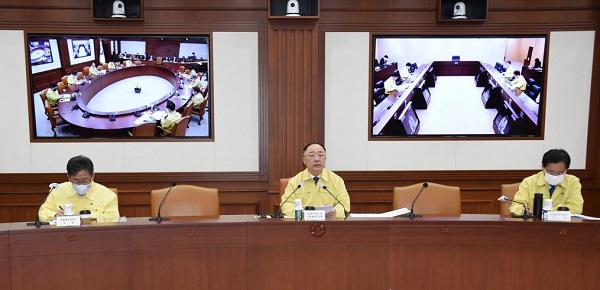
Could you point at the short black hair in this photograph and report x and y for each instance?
(556, 156)
(517, 73)
(170, 105)
(54, 85)
(196, 89)
(408, 64)
(312, 143)
(79, 163)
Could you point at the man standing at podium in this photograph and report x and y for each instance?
(82, 192)
(553, 182)
(316, 185)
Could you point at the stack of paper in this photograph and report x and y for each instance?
(393, 213)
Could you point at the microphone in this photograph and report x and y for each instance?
(506, 199)
(346, 213)
(412, 206)
(37, 222)
(159, 218)
(279, 211)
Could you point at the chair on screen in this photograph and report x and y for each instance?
(44, 99)
(86, 71)
(61, 87)
(509, 191)
(159, 60)
(199, 111)
(178, 129)
(185, 200)
(436, 199)
(143, 130)
(100, 67)
(64, 80)
(55, 119)
(137, 62)
(79, 75)
(187, 111)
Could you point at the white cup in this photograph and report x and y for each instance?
(68, 209)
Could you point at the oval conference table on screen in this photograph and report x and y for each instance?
(74, 111)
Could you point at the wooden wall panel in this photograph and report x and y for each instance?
(291, 93)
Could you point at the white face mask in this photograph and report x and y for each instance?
(81, 189)
(553, 179)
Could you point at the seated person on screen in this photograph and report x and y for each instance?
(192, 71)
(192, 57)
(553, 182)
(72, 79)
(169, 120)
(518, 84)
(196, 82)
(537, 63)
(52, 94)
(93, 69)
(313, 178)
(111, 66)
(82, 192)
(390, 85)
(508, 70)
(405, 71)
(384, 60)
(197, 97)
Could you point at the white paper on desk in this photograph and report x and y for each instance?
(144, 118)
(158, 115)
(326, 208)
(585, 217)
(392, 213)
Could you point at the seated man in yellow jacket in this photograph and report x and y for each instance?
(81, 192)
(553, 182)
(518, 84)
(169, 120)
(52, 94)
(72, 79)
(316, 185)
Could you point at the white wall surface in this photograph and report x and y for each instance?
(347, 123)
(235, 121)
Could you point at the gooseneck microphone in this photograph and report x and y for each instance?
(279, 210)
(412, 206)
(37, 222)
(346, 213)
(525, 213)
(159, 218)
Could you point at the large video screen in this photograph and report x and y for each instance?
(120, 87)
(457, 86)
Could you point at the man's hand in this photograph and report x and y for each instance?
(330, 214)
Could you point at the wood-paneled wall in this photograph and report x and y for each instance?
(291, 93)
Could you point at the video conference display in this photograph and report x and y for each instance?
(119, 87)
(457, 86)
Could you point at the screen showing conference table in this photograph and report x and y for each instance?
(134, 78)
(451, 82)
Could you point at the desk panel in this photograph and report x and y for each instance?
(189, 253)
(97, 256)
(552, 255)
(348, 255)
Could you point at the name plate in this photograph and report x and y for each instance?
(559, 216)
(314, 215)
(68, 221)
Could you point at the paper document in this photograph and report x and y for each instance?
(326, 208)
(585, 217)
(392, 213)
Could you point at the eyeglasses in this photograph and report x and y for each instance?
(84, 181)
(315, 154)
